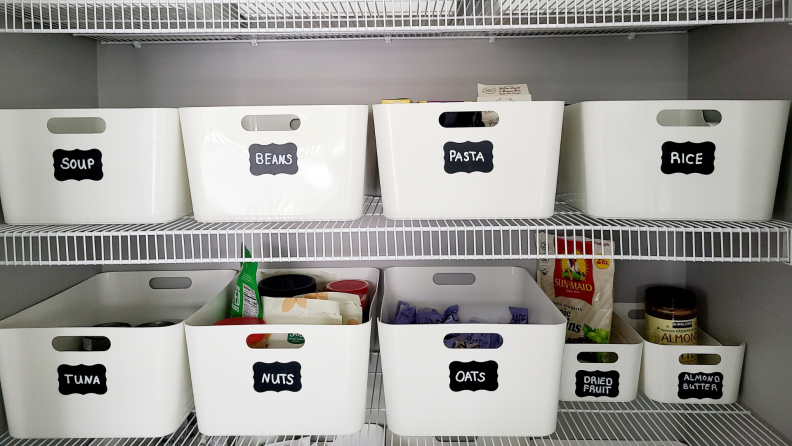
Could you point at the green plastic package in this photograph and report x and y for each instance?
(247, 302)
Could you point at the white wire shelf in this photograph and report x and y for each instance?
(641, 422)
(375, 238)
(262, 20)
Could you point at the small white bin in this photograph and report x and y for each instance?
(604, 382)
(665, 379)
(139, 387)
(92, 166)
(428, 171)
(694, 160)
(330, 371)
(247, 164)
(519, 393)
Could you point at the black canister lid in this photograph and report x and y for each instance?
(113, 324)
(162, 323)
(287, 285)
(670, 297)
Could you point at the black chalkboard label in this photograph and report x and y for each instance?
(473, 376)
(596, 383)
(688, 157)
(82, 379)
(273, 159)
(468, 157)
(700, 385)
(277, 377)
(77, 164)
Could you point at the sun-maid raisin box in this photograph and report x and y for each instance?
(581, 288)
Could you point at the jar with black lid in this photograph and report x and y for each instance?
(671, 318)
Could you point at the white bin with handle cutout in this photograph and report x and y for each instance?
(693, 160)
(137, 385)
(585, 378)
(439, 161)
(431, 389)
(276, 162)
(714, 380)
(92, 166)
(323, 387)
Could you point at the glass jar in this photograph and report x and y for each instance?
(671, 318)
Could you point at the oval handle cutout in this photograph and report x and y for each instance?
(170, 283)
(597, 357)
(81, 343)
(454, 279)
(473, 340)
(636, 314)
(699, 359)
(275, 340)
(689, 118)
(76, 126)
(270, 123)
(452, 120)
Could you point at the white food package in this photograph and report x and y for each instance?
(503, 93)
(349, 304)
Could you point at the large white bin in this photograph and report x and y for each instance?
(147, 391)
(654, 159)
(92, 166)
(315, 172)
(519, 399)
(510, 170)
(332, 371)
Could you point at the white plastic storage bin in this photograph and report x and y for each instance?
(428, 171)
(327, 394)
(92, 166)
(604, 382)
(519, 394)
(139, 387)
(665, 379)
(248, 164)
(695, 160)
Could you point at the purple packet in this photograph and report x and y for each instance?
(451, 315)
(519, 316)
(427, 316)
(405, 313)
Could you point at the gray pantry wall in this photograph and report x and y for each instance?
(750, 303)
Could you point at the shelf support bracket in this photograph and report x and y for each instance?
(136, 44)
(491, 39)
(388, 39)
(631, 36)
(254, 42)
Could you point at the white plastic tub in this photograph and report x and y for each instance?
(272, 172)
(665, 379)
(92, 166)
(140, 387)
(693, 160)
(604, 382)
(328, 391)
(519, 399)
(510, 169)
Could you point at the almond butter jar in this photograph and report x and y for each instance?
(671, 318)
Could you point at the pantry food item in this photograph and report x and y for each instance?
(358, 287)
(503, 93)
(299, 310)
(671, 318)
(287, 285)
(396, 101)
(582, 289)
(257, 340)
(101, 343)
(247, 302)
(162, 323)
(349, 305)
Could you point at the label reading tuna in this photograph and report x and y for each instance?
(596, 383)
(700, 385)
(473, 376)
(82, 379)
(468, 157)
(688, 157)
(273, 159)
(277, 377)
(77, 164)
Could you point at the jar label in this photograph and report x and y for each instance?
(678, 332)
(473, 376)
(596, 383)
(688, 157)
(82, 379)
(700, 385)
